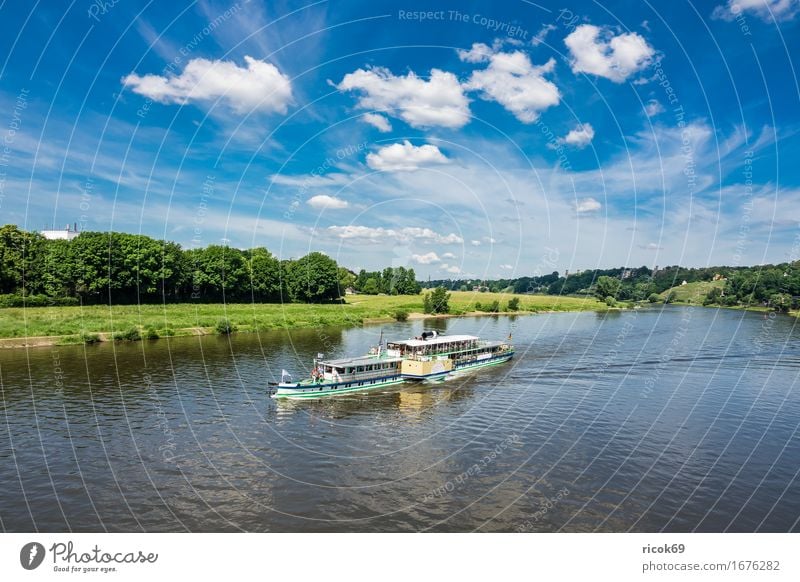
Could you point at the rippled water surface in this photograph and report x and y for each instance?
(676, 419)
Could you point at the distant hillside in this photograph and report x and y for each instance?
(692, 292)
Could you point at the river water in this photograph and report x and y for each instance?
(673, 419)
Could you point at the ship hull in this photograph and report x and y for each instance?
(502, 359)
(303, 391)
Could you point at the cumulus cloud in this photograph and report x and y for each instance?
(379, 234)
(328, 202)
(478, 53)
(450, 268)
(587, 205)
(405, 157)
(449, 256)
(764, 9)
(378, 121)
(653, 108)
(512, 80)
(598, 51)
(475, 243)
(438, 101)
(580, 137)
(426, 259)
(256, 86)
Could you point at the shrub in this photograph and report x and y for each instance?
(89, 338)
(167, 332)
(437, 301)
(16, 300)
(401, 315)
(654, 298)
(131, 335)
(671, 296)
(780, 301)
(513, 304)
(610, 301)
(224, 327)
(150, 333)
(492, 307)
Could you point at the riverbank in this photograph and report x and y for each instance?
(43, 326)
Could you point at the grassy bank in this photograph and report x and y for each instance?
(692, 292)
(101, 322)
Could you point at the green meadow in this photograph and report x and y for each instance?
(75, 324)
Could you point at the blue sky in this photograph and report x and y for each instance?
(464, 139)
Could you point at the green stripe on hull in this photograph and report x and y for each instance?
(321, 393)
(482, 364)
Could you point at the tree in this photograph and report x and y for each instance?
(607, 287)
(371, 287)
(654, 298)
(780, 301)
(713, 296)
(437, 301)
(313, 279)
(513, 304)
(265, 276)
(58, 273)
(346, 279)
(20, 260)
(218, 272)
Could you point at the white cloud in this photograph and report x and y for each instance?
(426, 259)
(653, 108)
(406, 234)
(507, 267)
(450, 268)
(764, 9)
(258, 85)
(597, 51)
(542, 34)
(475, 243)
(580, 137)
(324, 201)
(512, 80)
(405, 157)
(478, 53)
(651, 247)
(377, 121)
(490, 240)
(439, 101)
(449, 256)
(587, 205)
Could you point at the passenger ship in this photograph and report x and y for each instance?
(427, 357)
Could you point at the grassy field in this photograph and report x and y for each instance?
(189, 319)
(693, 292)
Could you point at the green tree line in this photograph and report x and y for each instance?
(775, 286)
(119, 268)
(391, 281)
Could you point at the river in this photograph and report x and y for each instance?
(662, 419)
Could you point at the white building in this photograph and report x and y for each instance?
(65, 234)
